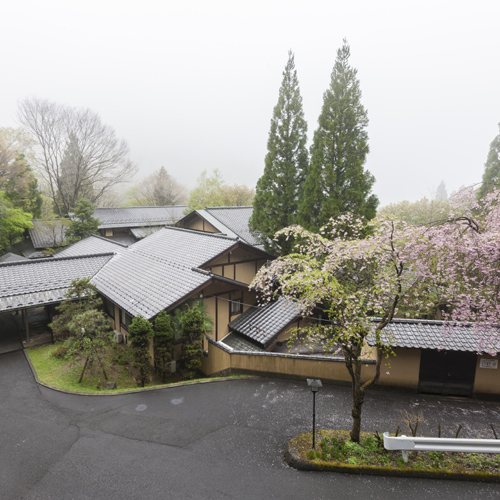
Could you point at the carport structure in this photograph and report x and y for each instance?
(29, 284)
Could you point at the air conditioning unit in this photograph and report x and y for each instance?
(118, 337)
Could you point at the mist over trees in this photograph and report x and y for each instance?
(158, 189)
(76, 154)
(213, 191)
(17, 179)
(277, 193)
(491, 175)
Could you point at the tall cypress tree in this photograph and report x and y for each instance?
(276, 199)
(491, 175)
(336, 181)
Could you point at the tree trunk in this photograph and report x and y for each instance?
(358, 395)
(83, 371)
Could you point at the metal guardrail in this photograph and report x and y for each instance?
(405, 444)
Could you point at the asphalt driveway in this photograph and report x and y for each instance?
(212, 441)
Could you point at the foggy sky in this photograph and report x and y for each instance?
(191, 85)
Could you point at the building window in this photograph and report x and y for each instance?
(125, 319)
(236, 307)
(109, 307)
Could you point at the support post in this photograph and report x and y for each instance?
(314, 420)
(26, 325)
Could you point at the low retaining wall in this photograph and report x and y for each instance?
(222, 361)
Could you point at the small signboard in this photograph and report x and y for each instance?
(489, 363)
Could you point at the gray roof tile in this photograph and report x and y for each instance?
(28, 282)
(236, 219)
(48, 233)
(263, 324)
(90, 246)
(159, 271)
(138, 216)
(429, 334)
(11, 257)
(240, 343)
(141, 232)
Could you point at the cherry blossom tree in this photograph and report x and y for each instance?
(399, 269)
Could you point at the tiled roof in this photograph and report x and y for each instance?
(26, 283)
(160, 270)
(263, 324)
(145, 285)
(11, 257)
(48, 233)
(240, 343)
(236, 220)
(428, 334)
(138, 216)
(141, 232)
(183, 246)
(90, 246)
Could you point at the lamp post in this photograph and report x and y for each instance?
(314, 384)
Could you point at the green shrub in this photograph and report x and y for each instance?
(60, 353)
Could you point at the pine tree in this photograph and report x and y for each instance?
(276, 199)
(336, 181)
(491, 175)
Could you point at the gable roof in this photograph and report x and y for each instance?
(138, 216)
(90, 246)
(48, 233)
(263, 324)
(11, 257)
(231, 221)
(430, 334)
(29, 283)
(236, 219)
(141, 232)
(184, 246)
(161, 270)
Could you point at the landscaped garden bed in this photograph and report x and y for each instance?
(335, 452)
(56, 369)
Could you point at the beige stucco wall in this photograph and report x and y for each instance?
(487, 380)
(401, 369)
(200, 224)
(219, 360)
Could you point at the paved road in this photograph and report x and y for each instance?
(10, 339)
(213, 441)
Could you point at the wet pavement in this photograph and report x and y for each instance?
(10, 338)
(209, 441)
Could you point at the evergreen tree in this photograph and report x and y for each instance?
(441, 193)
(83, 224)
(139, 333)
(276, 198)
(336, 181)
(491, 175)
(164, 337)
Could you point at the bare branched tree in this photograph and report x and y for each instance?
(77, 155)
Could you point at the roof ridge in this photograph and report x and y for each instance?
(51, 219)
(202, 233)
(151, 206)
(55, 259)
(168, 261)
(229, 208)
(107, 239)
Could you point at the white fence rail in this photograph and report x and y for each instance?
(406, 444)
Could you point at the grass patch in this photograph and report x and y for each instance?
(63, 373)
(333, 448)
